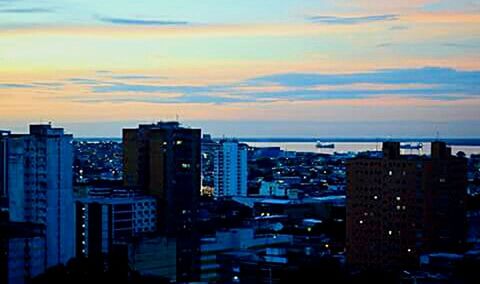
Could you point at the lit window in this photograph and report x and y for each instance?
(361, 221)
(390, 173)
(375, 197)
(179, 142)
(409, 250)
(398, 198)
(390, 232)
(398, 207)
(442, 180)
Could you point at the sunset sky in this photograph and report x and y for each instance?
(243, 68)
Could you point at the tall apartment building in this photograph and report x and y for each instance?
(36, 179)
(3, 175)
(163, 160)
(401, 206)
(230, 178)
(22, 252)
(104, 220)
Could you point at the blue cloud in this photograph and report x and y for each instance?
(141, 22)
(15, 86)
(398, 28)
(460, 45)
(26, 10)
(84, 81)
(138, 77)
(122, 87)
(428, 83)
(427, 75)
(335, 20)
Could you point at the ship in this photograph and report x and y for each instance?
(324, 145)
(413, 146)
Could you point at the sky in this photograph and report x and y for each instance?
(269, 68)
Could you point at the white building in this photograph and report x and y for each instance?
(106, 220)
(36, 177)
(231, 172)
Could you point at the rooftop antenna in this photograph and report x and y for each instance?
(176, 117)
(437, 137)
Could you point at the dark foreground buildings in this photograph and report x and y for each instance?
(163, 160)
(400, 206)
(36, 186)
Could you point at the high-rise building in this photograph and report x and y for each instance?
(36, 178)
(3, 175)
(230, 169)
(163, 160)
(399, 206)
(22, 252)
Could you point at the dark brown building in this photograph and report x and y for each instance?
(163, 160)
(399, 206)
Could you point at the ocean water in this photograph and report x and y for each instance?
(343, 147)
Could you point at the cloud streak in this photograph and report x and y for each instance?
(431, 83)
(337, 20)
(426, 75)
(141, 22)
(26, 10)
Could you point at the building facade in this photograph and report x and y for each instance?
(163, 160)
(103, 221)
(238, 239)
(22, 252)
(3, 175)
(231, 172)
(37, 184)
(401, 206)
